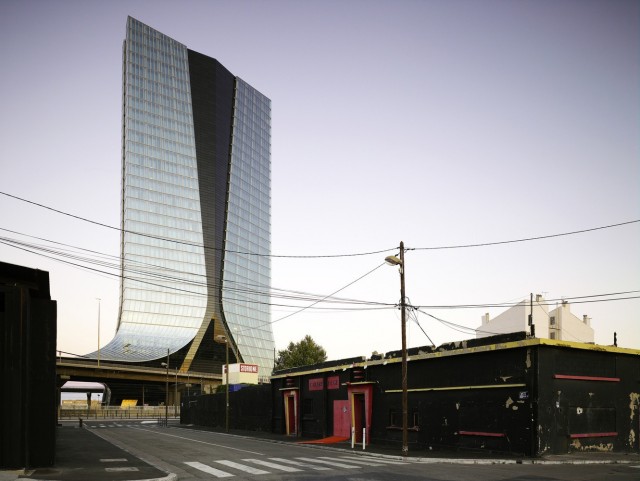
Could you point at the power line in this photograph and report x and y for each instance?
(84, 219)
(325, 256)
(414, 317)
(547, 302)
(324, 298)
(248, 289)
(526, 239)
(153, 275)
(456, 327)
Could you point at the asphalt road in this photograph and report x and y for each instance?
(201, 455)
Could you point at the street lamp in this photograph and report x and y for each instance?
(220, 338)
(394, 261)
(166, 391)
(98, 299)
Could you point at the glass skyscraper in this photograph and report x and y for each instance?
(195, 210)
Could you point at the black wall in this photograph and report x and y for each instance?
(523, 396)
(249, 409)
(588, 401)
(466, 393)
(27, 365)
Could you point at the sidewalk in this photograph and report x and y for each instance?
(82, 455)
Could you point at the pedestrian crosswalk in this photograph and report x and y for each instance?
(122, 424)
(279, 465)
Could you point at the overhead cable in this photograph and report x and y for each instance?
(525, 239)
(325, 256)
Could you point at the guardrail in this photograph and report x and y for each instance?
(141, 412)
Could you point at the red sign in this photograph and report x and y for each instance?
(333, 382)
(251, 368)
(316, 384)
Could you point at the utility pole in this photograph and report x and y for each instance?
(226, 417)
(166, 395)
(394, 261)
(98, 331)
(405, 397)
(220, 338)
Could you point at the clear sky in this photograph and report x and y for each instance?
(438, 123)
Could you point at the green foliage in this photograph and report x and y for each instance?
(303, 353)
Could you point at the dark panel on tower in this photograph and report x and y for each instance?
(212, 93)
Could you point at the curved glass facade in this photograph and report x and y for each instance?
(195, 207)
(247, 266)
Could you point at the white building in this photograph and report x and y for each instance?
(559, 324)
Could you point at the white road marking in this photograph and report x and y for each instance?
(267, 464)
(209, 470)
(161, 433)
(117, 470)
(242, 467)
(330, 463)
(376, 460)
(114, 460)
(303, 465)
(373, 462)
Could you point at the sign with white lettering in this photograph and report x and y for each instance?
(241, 374)
(252, 368)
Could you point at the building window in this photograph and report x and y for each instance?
(552, 320)
(552, 335)
(395, 419)
(307, 407)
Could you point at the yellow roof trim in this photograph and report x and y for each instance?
(469, 350)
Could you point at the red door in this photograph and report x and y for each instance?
(358, 414)
(290, 411)
(341, 419)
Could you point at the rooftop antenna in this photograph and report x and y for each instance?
(532, 327)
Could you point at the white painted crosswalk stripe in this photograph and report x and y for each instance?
(330, 463)
(321, 463)
(267, 464)
(373, 462)
(112, 426)
(242, 467)
(209, 470)
(377, 460)
(302, 465)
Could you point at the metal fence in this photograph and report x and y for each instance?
(137, 412)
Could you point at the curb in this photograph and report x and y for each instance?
(428, 460)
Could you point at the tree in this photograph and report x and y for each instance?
(301, 353)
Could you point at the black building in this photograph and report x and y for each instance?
(506, 393)
(27, 367)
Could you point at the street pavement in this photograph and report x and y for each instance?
(83, 453)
